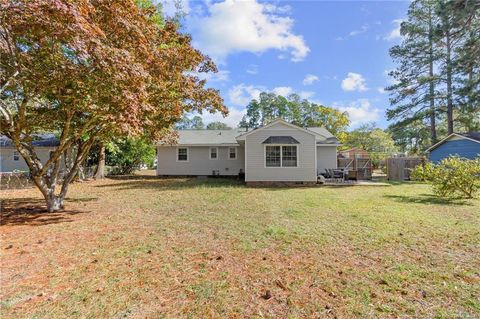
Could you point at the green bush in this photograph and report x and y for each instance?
(452, 177)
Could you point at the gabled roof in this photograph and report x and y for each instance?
(282, 121)
(472, 136)
(321, 131)
(208, 137)
(232, 137)
(40, 140)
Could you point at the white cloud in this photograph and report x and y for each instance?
(232, 119)
(252, 69)
(242, 94)
(359, 111)
(354, 82)
(363, 29)
(283, 90)
(381, 90)
(246, 26)
(306, 94)
(395, 33)
(310, 79)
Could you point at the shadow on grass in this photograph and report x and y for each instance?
(169, 183)
(428, 199)
(33, 212)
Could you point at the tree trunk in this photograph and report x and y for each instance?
(54, 203)
(449, 84)
(100, 173)
(433, 129)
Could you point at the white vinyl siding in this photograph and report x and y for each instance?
(8, 162)
(326, 158)
(256, 170)
(199, 162)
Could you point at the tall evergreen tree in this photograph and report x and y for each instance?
(467, 65)
(414, 91)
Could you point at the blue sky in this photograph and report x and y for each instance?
(331, 52)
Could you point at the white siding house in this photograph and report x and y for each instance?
(12, 161)
(277, 152)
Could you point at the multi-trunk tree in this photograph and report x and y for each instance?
(90, 70)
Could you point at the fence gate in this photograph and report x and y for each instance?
(363, 166)
(400, 168)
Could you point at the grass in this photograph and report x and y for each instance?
(170, 248)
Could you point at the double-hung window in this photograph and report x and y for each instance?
(281, 156)
(16, 156)
(232, 153)
(273, 156)
(289, 156)
(182, 154)
(213, 153)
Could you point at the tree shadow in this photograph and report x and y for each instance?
(429, 199)
(33, 212)
(175, 183)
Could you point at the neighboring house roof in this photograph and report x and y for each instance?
(472, 136)
(40, 140)
(280, 140)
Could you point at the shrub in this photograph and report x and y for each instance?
(452, 177)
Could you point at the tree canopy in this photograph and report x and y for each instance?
(218, 126)
(90, 69)
(437, 79)
(295, 110)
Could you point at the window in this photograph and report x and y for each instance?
(182, 154)
(16, 156)
(213, 153)
(232, 153)
(272, 156)
(281, 156)
(289, 156)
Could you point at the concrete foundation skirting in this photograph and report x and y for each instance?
(280, 184)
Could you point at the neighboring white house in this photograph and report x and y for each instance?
(277, 152)
(11, 160)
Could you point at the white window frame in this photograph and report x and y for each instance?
(281, 156)
(210, 153)
(188, 154)
(236, 151)
(16, 156)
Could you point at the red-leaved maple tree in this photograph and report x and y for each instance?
(88, 69)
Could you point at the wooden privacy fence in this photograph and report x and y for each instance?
(400, 168)
(362, 166)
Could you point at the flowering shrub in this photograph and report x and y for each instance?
(452, 177)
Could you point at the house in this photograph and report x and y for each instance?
(277, 152)
(466, 145)
(12, 161)
(355, 152)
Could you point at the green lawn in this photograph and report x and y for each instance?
(170, 248)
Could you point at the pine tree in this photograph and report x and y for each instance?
(415, 89)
